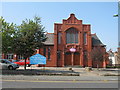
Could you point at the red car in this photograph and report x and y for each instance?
(22, 62)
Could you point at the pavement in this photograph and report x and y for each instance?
(60, 78)
(80, 71)
(62, 74)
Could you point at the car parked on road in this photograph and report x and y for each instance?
(22, 62)
(6, 64)
(12, 60)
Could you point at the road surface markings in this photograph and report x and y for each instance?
(105, 81)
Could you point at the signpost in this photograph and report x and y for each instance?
(37, 59)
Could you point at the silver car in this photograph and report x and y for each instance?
(5, 64)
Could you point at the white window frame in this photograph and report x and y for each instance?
(20, 57)
(10, 56)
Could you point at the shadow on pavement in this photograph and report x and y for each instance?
(39, 72)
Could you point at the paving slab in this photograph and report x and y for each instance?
(60, 78)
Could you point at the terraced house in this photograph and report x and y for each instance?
(71, 44)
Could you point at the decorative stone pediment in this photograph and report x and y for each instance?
(72, 20)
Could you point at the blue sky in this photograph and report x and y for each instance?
(98, 14)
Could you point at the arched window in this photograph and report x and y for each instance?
(49, 53)
(71, 36)
(85, 38)
(59, 38)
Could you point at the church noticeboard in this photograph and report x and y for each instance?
(37, 59)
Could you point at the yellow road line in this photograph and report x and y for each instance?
(105, 81)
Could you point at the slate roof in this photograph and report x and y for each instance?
(50, 39)
(96, 41)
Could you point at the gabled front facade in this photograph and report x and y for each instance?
(71, 44)
(72, 34)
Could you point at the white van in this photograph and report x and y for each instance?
(5, 64)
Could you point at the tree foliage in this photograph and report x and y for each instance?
(23, 39)
(7, 32)
(30, 36)
(98, 55)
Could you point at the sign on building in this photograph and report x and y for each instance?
(37, 59)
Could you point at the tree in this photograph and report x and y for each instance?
(23, 39)
(7, 31)
(97, 54)
(29, 37)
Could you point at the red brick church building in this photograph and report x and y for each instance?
(70, 45)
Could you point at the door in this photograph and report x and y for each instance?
(67, 59)
(76, 58)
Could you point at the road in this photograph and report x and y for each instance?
(93, 79)
(58, 84)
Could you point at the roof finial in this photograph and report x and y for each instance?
(72, 14)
